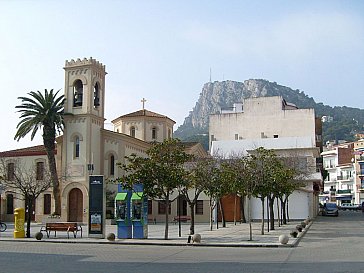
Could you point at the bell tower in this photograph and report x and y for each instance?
(85, 87)
(82, 144)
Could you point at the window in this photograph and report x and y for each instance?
(40, 171)
(112, 165)
(275, 136)
(154, 133)
(236, 136)
(150, 207)
(77, 93)
(47, 204)
(162, 207)
(77, 147)
(169, 134)
(9, 204)
(96, 95)
(132, 131)
(199, 207)
(11, 170)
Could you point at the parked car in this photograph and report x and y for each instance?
(330, 209)
(349, 206)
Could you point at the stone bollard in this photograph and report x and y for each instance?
(39, 235)
(196, 238)
(110, 237)
(283, 239)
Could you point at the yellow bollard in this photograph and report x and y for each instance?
(19, 215)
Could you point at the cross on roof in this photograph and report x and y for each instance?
(143, 101)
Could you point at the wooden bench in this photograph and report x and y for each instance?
(62, 226)
(182, 218)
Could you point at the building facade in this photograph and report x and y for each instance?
(86, 147)
(272, 123)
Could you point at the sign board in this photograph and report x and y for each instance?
(96, 222)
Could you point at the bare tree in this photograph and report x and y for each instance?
(26, 182)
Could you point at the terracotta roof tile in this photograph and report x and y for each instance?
(29, 151)
(142, 113)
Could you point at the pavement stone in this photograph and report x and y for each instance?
(229, 236)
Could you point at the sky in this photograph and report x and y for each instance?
(163, 51)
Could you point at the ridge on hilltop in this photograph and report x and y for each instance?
(346, 121)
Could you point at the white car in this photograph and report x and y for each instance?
(349, 206)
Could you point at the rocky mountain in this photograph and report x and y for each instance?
(216, 95)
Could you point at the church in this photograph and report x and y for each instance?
(87, 148)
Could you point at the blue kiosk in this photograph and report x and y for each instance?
(131, 210)
(122, 212)
(139, 204)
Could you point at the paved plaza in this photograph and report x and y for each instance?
(231, 235)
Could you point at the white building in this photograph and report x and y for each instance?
(272, 123)
(339, 184)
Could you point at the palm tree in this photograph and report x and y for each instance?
(45, 111)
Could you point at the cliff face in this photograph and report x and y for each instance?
(217, 95)
(346, 122)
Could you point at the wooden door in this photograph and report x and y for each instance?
(75, 205)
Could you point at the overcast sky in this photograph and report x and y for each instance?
(163, 50)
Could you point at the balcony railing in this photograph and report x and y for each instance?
(344, 177)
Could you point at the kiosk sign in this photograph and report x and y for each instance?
(96, 207)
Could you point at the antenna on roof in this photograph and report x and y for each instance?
(210, 74)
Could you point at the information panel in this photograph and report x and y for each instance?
(96, 223)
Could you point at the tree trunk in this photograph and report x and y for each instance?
(211, 216)
(222, 213)
(278, 213)
(271, 211)
(235, 202)
(29, 212)
(287, 208)
(262, 227)
(50, 147)
(250, 219)
(242, 204)
(166, 218)
(192, 212)
(284, 215)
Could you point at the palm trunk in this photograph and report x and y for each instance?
(50, 147)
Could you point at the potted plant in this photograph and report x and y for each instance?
(294, 233)
(299, 228)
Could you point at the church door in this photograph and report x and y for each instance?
(75, 205)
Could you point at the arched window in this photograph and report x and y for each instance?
(40, 171)
(77, 147)
(11, 171)
(47, 204)
(154, 133)
(77, 93)
(112, 165)
(9, 204)
(132, 131)
(97, 95)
